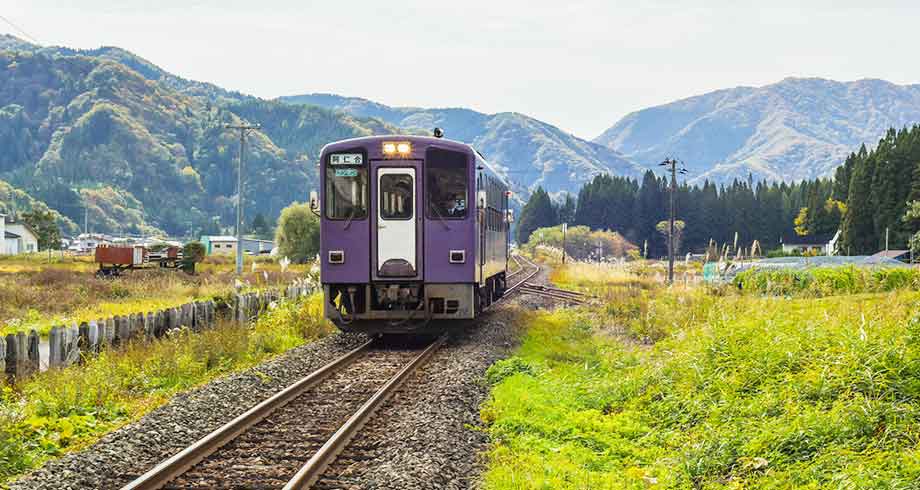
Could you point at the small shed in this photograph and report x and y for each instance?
(18, 237)
(219, 244)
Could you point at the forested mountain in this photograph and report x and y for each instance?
(791, 130)
(529, 152)
(143, 155)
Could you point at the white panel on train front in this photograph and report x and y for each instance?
(396, 220)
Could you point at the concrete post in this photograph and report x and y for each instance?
(93, 345)
(109, 336)
(55, 344)
(22, 353)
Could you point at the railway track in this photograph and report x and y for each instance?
(288, 440)
(529, 269)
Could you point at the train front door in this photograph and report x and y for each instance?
(397, 222)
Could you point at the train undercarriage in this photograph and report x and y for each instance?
(402, 307)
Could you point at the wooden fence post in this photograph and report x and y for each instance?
(84, 344)
(12, 354)
(35, 355)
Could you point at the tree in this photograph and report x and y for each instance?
(45, 227)
(567, 210)
(260, 226)
(664, 228)
(192, 253)
(297, 234)
(539, 212)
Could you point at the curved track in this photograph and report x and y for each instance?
(289, 439)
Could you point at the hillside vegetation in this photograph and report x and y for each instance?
(145, 153)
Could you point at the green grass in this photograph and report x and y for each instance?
(827, 281)
(737, 392)
(63, 410)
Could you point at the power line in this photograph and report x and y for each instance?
(20, 29)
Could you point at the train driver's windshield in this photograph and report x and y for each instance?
(346, 192)
(447, 184)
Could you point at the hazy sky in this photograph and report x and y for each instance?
(580, 65)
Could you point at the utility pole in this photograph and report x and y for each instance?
(671, 164)
(244, 130)
(565, 227)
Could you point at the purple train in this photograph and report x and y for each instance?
(413, 229)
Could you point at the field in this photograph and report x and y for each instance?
(64, 410)
(703, 388)
(39, 295)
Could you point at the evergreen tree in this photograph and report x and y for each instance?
(539, 212)
(566, 212)
(858, 235)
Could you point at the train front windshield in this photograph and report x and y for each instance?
(447, 184)
(346, 192)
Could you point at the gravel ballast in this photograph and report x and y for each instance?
(131, 450)
(424, 437)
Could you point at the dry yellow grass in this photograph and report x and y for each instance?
(35, 294)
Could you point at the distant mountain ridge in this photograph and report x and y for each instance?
(529, 152)
(798, 128)
(144, 151)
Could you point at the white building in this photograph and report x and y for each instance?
(87, 242)
(219, 244)
(812, 244)
(18, 238)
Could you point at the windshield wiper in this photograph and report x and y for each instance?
(440, 218)
(351, 217)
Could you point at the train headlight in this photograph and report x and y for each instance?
(393, 148)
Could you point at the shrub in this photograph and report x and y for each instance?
(826, 281)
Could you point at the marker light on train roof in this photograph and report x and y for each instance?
(391, 148)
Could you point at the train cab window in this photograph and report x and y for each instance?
(346, 192)
(448, 183)
(396, 196)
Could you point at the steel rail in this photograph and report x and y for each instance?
(557, 290)
(179, 463)
(550, 294)
(536, 269)
(519, 269)
(314, 468)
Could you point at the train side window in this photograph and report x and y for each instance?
(447, 184)
(396, 196)
(346, 192)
